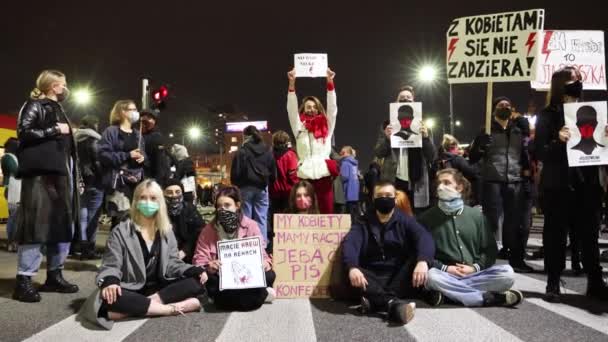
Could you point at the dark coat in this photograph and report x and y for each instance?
(187, 226)
(253, 165)
(87, 141)
(113, 155)
(47, 165)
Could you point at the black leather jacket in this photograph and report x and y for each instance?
(38, 120)
(505, 157)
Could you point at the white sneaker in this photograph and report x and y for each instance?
(271, 295)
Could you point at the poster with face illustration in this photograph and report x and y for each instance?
(406, 119)
(588, 143)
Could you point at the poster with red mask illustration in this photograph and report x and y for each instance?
(406, 119)
(588, 142)
(242, 264)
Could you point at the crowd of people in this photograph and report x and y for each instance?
(427, 223)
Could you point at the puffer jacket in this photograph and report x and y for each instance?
(312, 152)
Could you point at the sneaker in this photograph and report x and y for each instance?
(400, 311)
(433, 298)
(513, 298)
(522, 268)
(271, 295)
(509, 298)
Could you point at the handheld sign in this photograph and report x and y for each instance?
(304, 252)
(310, 64)
(584, 50)
(406, 119)
(242, 264)
(499, 47)
(588, 144)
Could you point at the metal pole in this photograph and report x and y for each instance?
(451, 111)
(221, 160)
(145, 94)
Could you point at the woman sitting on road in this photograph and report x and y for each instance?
(141, 274)
(230, 224)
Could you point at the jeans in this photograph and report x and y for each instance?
(469, 290)
(506, 199)
(30, 257)
(255, 206)
(90, 209)
(11, 224)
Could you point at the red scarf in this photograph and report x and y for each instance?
(315, 124)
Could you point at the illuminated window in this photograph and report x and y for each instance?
(234, 148)
(234, 139)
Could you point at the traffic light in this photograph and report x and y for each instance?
(159, 97)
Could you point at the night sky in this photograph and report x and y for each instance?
(236, 54)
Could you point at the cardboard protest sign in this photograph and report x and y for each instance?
(304, 253)
(406, 119)
(310, 64)
(588, 144)
(242, 264)
(501, 47)
(583, 50)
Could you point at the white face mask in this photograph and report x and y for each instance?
(446, 193)
(134, 116)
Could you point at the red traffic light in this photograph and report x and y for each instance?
(156, 96)
(164, 92)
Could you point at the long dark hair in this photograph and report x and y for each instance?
(558, 83)
(232, 192)
(253, 132)
(310, 190)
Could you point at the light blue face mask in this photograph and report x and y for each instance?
(148, 208)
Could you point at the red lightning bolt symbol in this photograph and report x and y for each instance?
(530, 41)
(452, 47)
(546, 51)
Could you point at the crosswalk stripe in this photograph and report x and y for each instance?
(73, 329)
(597, 322)
(455, 324)
(280, 321)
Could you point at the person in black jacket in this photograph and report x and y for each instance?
(450, 157)
(253, 168)
(186, 221)
(87, 138)
(570, 195)
(158, 166)
(387, 256)
(505, 163)
(49, 195)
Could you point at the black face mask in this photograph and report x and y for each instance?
(384, 205)
(63, 96)
(406, 101)
(175, 205)
(574, 89)
(503, 113)
(229, 220)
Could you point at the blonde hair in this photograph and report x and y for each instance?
(349, 150)
(161, 218)
(449, 142)
(116, 113)
(44, 83)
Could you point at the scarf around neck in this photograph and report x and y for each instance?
(316, 124)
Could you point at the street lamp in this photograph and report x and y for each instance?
(194, 133)
(427, 74)
(82, 97)
(430, 123)
(171, 135)
(457, 123)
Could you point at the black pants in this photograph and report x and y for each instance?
(238, 300)
(506, 199)
(136, 303)
(578, 209)
(352, 208)
(387, 285)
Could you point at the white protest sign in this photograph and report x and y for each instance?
(406, 119)
(189, 184)
(502, 47)
(242, 264)
(583, 50)
(588, 144)
(310, 64)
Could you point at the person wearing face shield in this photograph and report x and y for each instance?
(409, 168)
(387, 255)
(186, 221)
(229, 224)
(505, 164)
(571, 197)
(464, 269)
(123, 157)
(49, 200)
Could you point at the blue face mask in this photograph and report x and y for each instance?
(147, 208)
(450, 200)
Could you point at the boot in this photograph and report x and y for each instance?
(400, 311)
(55, 283)
(25, 291)
(597, 288)
(553, 293)
(87, 251)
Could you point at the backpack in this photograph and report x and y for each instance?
(260, 174)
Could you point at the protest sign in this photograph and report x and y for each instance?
(406, 119)
(499, 47)
(305, 251)
(242, 264)
(588, 144)
(583, 50)
(310, 64)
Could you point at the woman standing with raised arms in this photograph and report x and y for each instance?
(313, 128)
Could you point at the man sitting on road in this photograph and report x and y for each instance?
(464, 269)
(387, 255)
